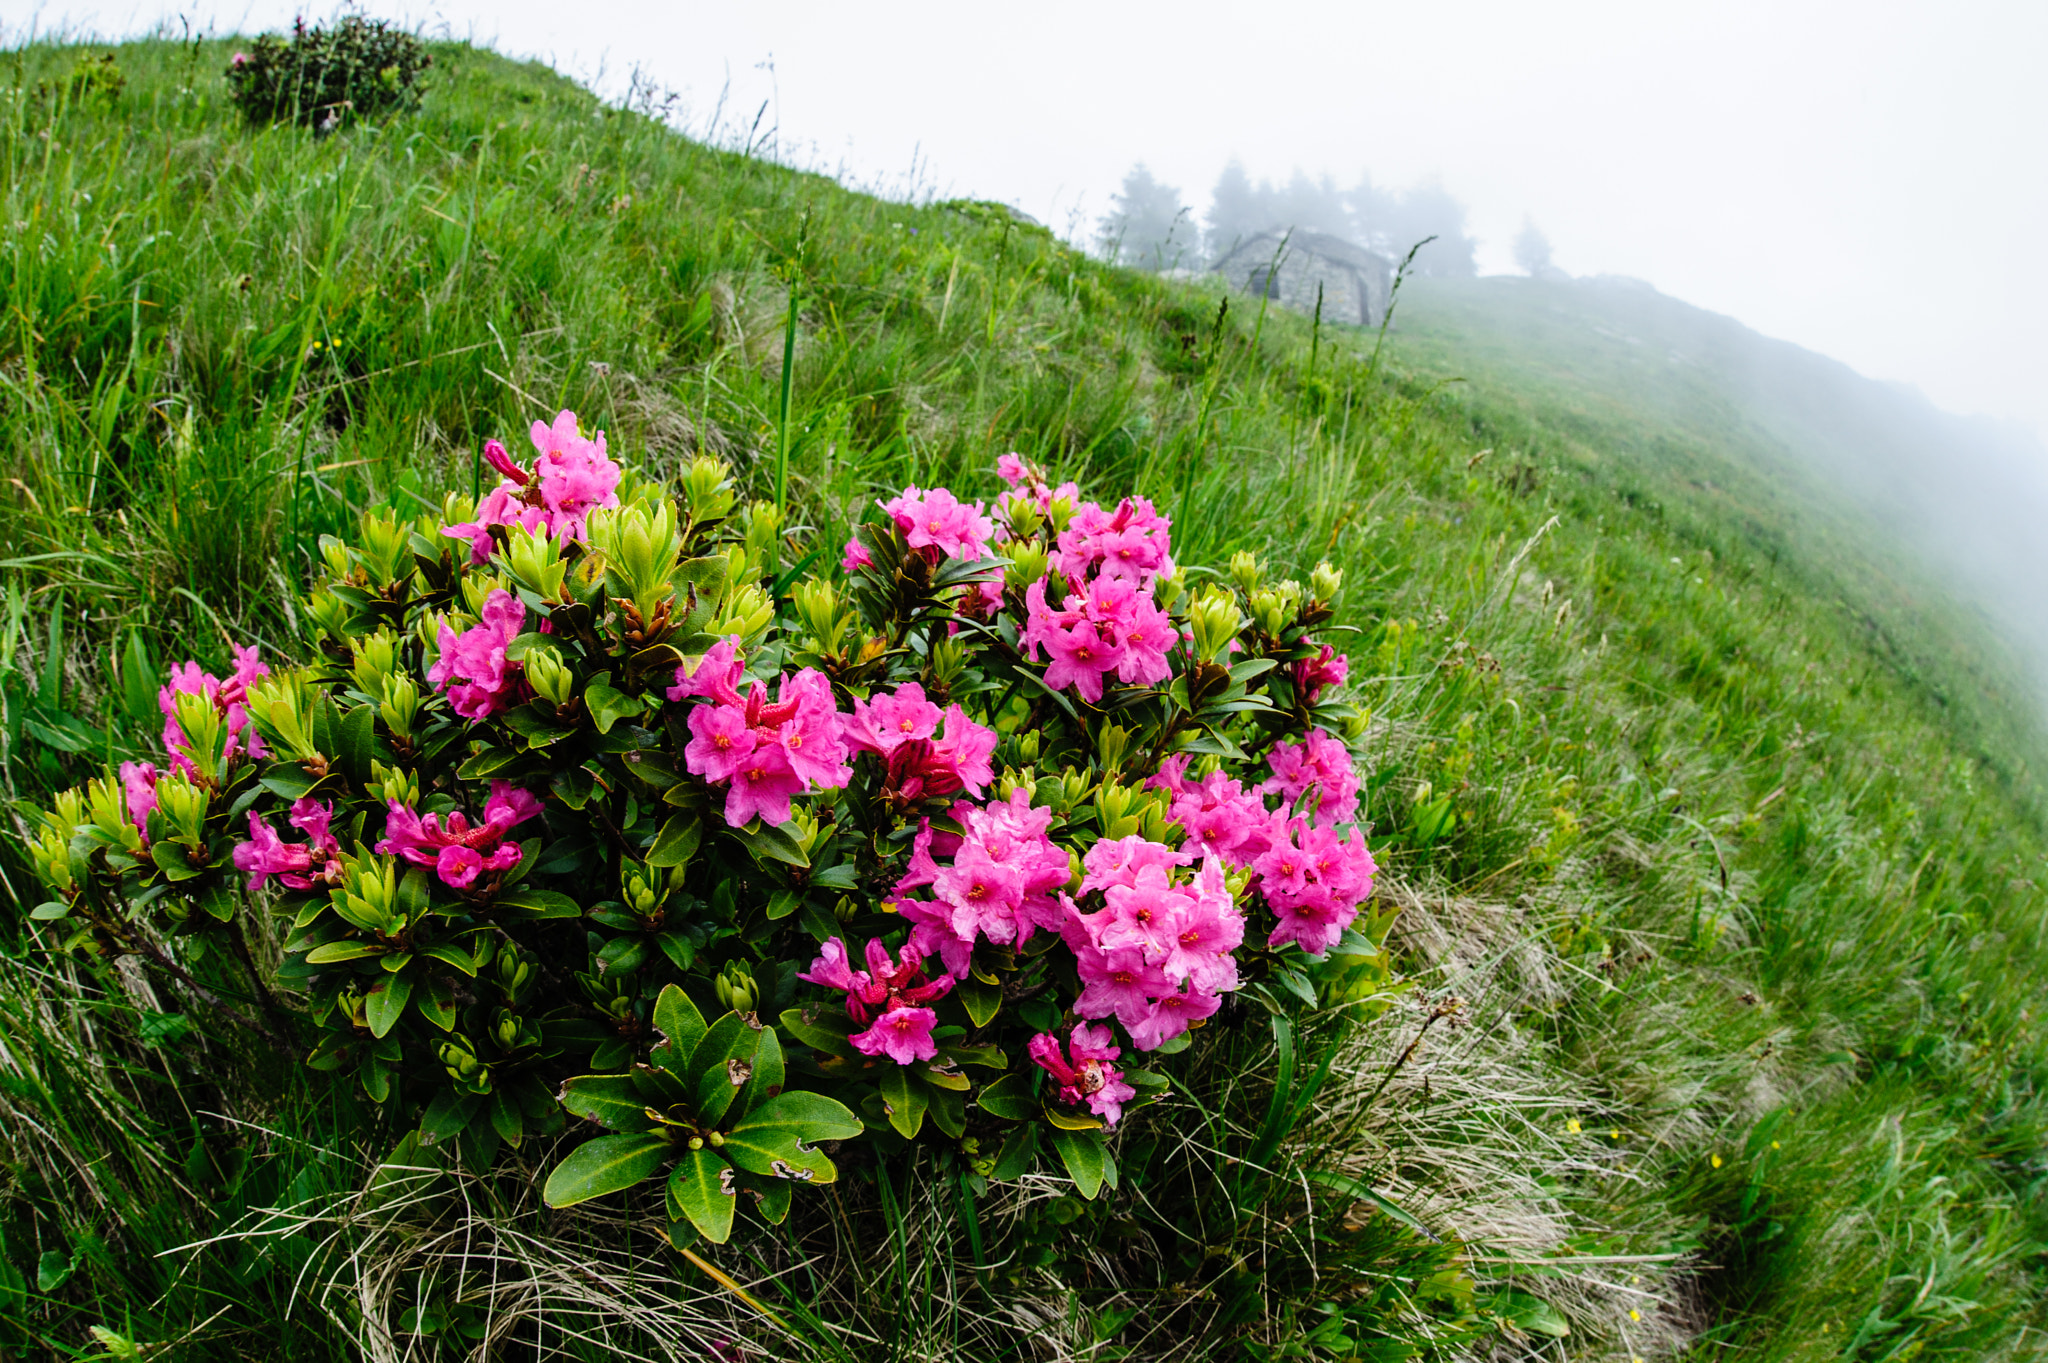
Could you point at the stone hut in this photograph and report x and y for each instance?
(1357, 284)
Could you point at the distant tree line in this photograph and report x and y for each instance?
(1150, 228)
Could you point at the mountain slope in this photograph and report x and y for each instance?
(1718, 929)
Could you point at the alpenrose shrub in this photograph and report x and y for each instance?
(593, 807)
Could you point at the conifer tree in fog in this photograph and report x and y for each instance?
(1428, 210)
(1235, 210)
(1147, 226)
(1532, 249)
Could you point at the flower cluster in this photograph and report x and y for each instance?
(458, 852)
(890, 998)
(228, 697)
(1083, 1072)
(1159, 955)
(1111, 625)
(998, 883)
(473, 668)
(763, 752)
(297, 866)
(1321, 764)
(921, 762)
(571, 476)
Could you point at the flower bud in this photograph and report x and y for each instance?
(400, 704)
(1245, 571)
(334, 554)
(845, 909)
(1214, 620)
(735, 987)
(1059, 513)
(1025, 519)
(1028, 563)
(763, 526)
(696, 1142)
(1110, 746)
(182, 806)
(535, 560)
(394, 783)
(1269, 610)
(1167, 588)
(706, 490)
(329, 612)
(205, 733)
(1325, 582)
(642, 888)
(550, 676)
(1028, 745)
(748, 613)
(818, 606)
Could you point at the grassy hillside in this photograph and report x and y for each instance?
(1719, 903)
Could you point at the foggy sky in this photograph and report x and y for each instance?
(1866, 179)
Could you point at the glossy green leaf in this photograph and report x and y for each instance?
(767, 1078)
(982, 1000)
(386, 1003)
(1009, 1097)
(358, 741)
(811, 1116)
(721, 1066)
(767, 842)
(612, 1100)
(348, 949)
(527, 902)
(679, 1023)
(1087, 1161)
(777, 1152)
(905, 1101)
(436, 1003)
(605, 1165)
(678, 840)
(820, 1029)
(701, 1188)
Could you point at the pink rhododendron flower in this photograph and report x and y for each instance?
(228, 698)
(1315, 884)
(1118, 981)
(922, 764)
(938, 521)
(1088, 1076)
(1171, 1015)
(766, 753)
(889, 997)
(1312, 675)
(1131, 542)
(1001, 881)
(458, 852)
(902, 1034)
(473, 669)
(1108, 624)
(297, 866)
(1012, 469)
(570, 477)
(855, 557)
(1218, 815)
(1318, 761)
(138, 787)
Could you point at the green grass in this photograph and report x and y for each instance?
(1727, 849)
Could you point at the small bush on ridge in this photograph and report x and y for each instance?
(591, 806)
(362, 68)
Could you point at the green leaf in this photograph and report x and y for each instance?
(701, 1189)
(528, 903)
(827, 1032)
(679, 1023)
(778, 1152)
(573, 787)
(348, 949)
(1019, 1153)
(721, 1066)
(812, 1116)
(904, 1100)
(415, 893)
(608, 707)
(768, 1075)
(1533, 1314)
(1067, 1119)
(446, 1116)
(386, 1003)
(53, 1270)
(982, 1000)
(358, 742)
(765, 840)
(1009, 1097)
(490, 762)
(437, 1004)
(612, 1100)
(948, 1107)
(678, 840)
(1087, 1161)
(606, 1165)
(450, 954)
